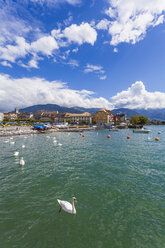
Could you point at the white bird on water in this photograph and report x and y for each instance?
(16, 153)
(22, 162)
(67, 206)
(23, 146)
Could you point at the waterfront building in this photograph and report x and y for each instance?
(10, 116)
(84, 118)
(103, 117)
(120, 117)
(1, 116)
(16, 110)
(24, 116)
(45, 115)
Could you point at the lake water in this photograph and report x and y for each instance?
(119, 185)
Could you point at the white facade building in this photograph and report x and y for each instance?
(1, 116)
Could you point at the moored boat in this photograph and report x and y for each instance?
(141, 130)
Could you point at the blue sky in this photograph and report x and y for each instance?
(104, 53)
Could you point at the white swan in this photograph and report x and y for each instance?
(23, 146)
(16, 153)
(67, 206)
(22, 162)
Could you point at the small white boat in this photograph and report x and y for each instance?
(141, 130)
(114, 129)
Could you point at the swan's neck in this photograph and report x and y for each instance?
(73, 207)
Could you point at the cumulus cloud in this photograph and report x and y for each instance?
(23, 92)
(12, 52)
(47, 44)
(80, 34)
(137, 96)
(103, 24)
(21, 37)
(130, 19)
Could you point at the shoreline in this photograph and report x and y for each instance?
(28, 130)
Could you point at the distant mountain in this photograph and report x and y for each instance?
(151, 114)
(49, 107)
(90, 110)
(128, 112)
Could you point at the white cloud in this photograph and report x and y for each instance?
(73, 63)
(54, 2)
(93, 68)
(115, 50)
(11, 25)
(83, 33)
(33, 63)
(137, 96)
(5, 63)
(97, 69)
(25, 92)
(130, 19)
(45, 45)
(75, 50)
(12, 52)
(103, 77)
(103, 24)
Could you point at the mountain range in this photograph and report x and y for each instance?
(152, 114)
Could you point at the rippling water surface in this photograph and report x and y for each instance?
(119, 185)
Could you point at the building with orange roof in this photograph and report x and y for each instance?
(103, 117)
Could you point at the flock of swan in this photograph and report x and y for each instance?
(64, 205)
(16, 153)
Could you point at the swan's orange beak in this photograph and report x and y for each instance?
(75, 201)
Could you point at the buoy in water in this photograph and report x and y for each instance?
(83, 135)
(128, 137)
(108, 136)
(157, 139)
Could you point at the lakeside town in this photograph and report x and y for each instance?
(102, 118)
(18, 123)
